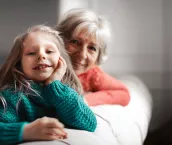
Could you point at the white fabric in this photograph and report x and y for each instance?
(130, 124)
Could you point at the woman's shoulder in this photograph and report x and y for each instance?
(95, 70)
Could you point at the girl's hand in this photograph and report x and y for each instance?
(58, 72)
(44, 129)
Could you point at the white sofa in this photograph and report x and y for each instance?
(117, 125)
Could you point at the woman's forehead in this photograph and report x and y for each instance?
(87, 37)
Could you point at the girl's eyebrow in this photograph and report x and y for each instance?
(51, 45)
(35, 46)
(31, 47)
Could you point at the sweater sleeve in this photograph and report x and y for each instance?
(70, 107)
(104, 89)
(11, 133)
(11, 128)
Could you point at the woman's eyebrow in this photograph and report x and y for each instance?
(94, 44)
(77, 38)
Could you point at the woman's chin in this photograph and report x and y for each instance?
(78, 72)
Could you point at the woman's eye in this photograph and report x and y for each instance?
(92, 48)
(74, 41)
(31, 53)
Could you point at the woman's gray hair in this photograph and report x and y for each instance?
(83, 21)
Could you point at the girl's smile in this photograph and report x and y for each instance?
(40, 56)
(41, 67)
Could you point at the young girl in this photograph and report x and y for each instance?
(36, 92)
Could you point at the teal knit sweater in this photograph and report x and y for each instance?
(55, 100)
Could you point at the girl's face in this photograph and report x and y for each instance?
(84, 53)
(40, 56)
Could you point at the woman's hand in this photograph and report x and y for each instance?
(85, 101)
(58, 72)
(44, 129)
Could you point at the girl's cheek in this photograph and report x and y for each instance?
(58, 59)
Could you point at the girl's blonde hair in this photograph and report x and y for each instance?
(78, 20)
(11, 75)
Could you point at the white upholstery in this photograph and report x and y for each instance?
(130, 124)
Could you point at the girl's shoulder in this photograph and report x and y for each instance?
(10, 93)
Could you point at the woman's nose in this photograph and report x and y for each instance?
(83, 52)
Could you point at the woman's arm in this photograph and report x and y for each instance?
(70, 107)
(107, 97)
(104, 88)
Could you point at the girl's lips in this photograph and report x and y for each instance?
(41, 66)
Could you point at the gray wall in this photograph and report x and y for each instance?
(18, 15)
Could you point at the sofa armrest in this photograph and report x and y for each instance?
(141, 104)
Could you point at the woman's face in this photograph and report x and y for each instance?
(84, 53)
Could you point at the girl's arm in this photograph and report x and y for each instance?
(11, 129)
(11, 133)
(15, 131)
(70, 107)
(104, 88)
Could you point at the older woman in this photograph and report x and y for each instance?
(86, 36)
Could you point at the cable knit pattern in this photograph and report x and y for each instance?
(103, 89)
(55, 100)
(10, 133)
(70, 107)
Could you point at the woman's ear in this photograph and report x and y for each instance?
(98, 59)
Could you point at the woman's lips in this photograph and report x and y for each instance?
(78, 64)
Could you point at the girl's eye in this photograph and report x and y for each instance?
(92, 48)
(31, 53)
(49, 51)
(74, 42)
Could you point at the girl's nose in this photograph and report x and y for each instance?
(41, 56)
